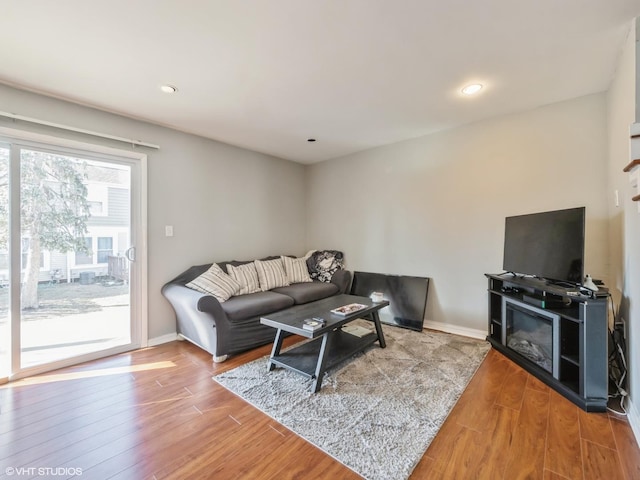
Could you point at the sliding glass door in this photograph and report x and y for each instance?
(5, 333)
(68, 259)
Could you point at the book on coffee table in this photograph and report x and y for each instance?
(348, 309)
(313, 323)
(356, 330)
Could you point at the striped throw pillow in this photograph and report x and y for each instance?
(271, 274)
(215, 282)
(247, 276)
(296, 269)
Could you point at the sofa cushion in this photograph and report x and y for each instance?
(255, 304)
(193, 272)
(271, 274)
(235, 263)
(296, 269)
(247, 276)
(308, 292)
(215, 282)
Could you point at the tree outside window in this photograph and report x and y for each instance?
(25, 245)
(54, 211)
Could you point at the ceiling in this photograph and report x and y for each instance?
(353, 74)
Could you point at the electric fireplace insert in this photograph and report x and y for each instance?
(534, 334)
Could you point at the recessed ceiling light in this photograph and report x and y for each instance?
(168, 88)
(471, 89)
(311, 139)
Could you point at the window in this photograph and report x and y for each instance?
(95, 208)
(24, 245)
(95, 255)
(105, 249)
(26, 242)
(24, 250)
(85, 258)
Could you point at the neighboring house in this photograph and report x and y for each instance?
(108, 195)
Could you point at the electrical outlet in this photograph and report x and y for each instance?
(168, 230)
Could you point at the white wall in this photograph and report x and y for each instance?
(435, 206)
(223, 202)
(432, 206)
(624, 220)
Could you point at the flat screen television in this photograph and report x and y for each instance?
(548, 245)
(407, 297)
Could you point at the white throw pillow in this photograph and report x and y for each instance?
(215, 282)
(247, 276)
(296, 269)
(271, 274)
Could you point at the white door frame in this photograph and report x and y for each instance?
(138, 270)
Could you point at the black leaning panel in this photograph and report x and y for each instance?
(407, 297)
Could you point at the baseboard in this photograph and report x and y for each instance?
(463, 331)
(634, 420)
(169, 337)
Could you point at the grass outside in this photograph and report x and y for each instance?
(63, 299)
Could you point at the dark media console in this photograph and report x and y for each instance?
(557, 334)
(545, 301)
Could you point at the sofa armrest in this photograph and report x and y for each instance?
(199, 318)
(342, 278)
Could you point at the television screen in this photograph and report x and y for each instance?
(407, 297)
(549, 245)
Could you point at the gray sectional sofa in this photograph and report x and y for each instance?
(233, 326)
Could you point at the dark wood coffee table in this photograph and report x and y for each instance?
(330, 344)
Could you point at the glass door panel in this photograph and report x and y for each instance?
(5, 333)
(75, 219)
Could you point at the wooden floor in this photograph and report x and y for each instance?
(156, 413)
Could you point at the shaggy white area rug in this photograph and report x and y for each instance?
(377, 412)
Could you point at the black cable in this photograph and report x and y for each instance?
(617, 362)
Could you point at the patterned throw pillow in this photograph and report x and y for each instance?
(247, 276)
(322, 264)
(215, 282)
(296, 269)
(271, 274)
